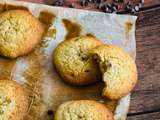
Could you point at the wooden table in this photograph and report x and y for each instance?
(145, 101)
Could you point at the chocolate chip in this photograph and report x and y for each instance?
(128, 6)
(58, 3)
(90, 0)
(72, 75)
(83, 2)
(109, 5)
(86, 71)
(116, 1)
(98, 1)
(76, 39)
(50, 112)
(121, 1)
(107, 9)
(136, 8)
(84, 58)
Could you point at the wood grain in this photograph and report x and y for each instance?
(144, 101)
(148, 50)
(146, 96)
(150, 116)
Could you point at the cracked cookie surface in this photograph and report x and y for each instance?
(13, 101)
(73, 62)
(20, 32)
(83, 110)
(118, 69)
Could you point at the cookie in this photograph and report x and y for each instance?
(13, 101)
(73, 62)
(83, 110)
(20, 32)
(118, 69)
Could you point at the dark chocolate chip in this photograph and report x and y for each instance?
(116, 1)
(58, 2)
(76, 39)
(90, 0)
(83, 2)
(109, 5)
(50, 112)
(86, 71)
(133, 11)
(84, 58)
(121, 1)
(72, 75)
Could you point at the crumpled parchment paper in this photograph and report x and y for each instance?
(36, 72)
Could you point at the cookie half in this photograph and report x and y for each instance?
(83, 110)
(20, 32)
(13, 101)
(118, 69)
(73, 62)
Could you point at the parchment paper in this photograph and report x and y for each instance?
(36, 72)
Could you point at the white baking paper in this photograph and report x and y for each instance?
(38, 75)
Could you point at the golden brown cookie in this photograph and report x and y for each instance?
(20, 32)
(118, 69)
(73, 62)
(13, 101)
(83, 110)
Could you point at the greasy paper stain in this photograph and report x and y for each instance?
(5, 7)
(14, 7)
(7, 68)
(2, 6)
(128, 28)
(47, 18)
(111, 104)
(34, 74)
(73, 29)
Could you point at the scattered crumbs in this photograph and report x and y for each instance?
(73, 29)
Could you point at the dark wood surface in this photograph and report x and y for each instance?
(145, 101)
